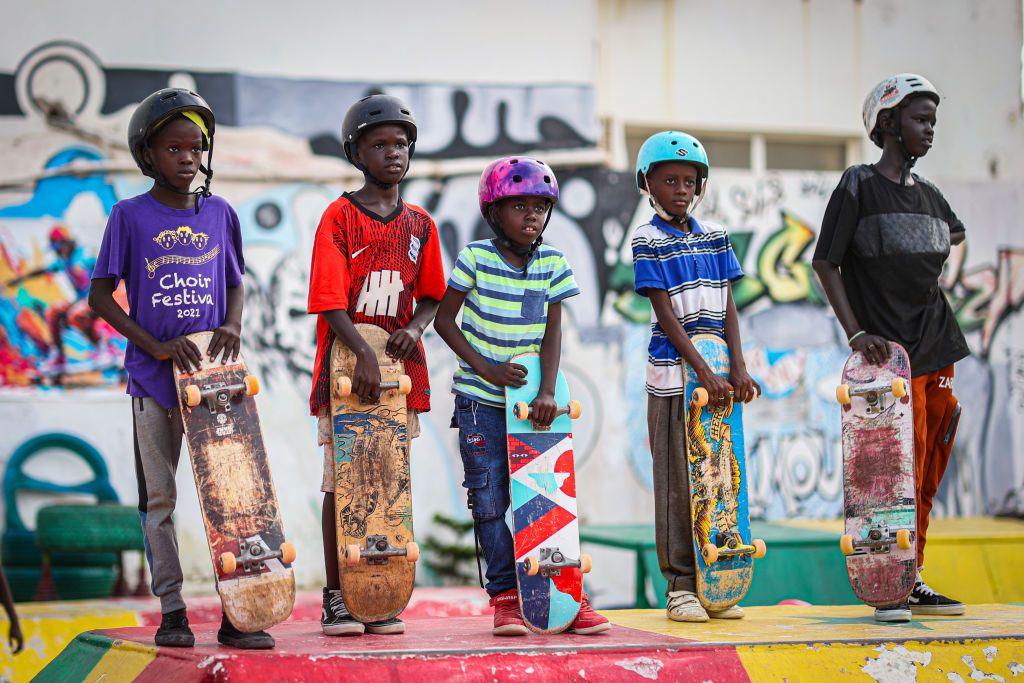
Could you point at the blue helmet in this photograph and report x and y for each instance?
(671, 145)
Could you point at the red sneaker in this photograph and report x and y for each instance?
(508, 620)
(588, 622)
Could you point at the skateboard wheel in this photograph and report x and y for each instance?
(899, 387)
(193, 396)
(903, 538)
(287, 553)
(586, 564)
(843, 394)
(521, 410)
(352, 554)
(228, 564)
(699, 397)
(575, 409)
(846, 544)
(760, 549)
(412, 552)
(709, 551)
(252, 385)
(404, 384)
(343, 386)
(532, 566)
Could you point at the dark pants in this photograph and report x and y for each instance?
(484, 453)
(666, 429)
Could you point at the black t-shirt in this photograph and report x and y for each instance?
(890, 242)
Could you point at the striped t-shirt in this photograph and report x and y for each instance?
(695, 269)
(506, 310)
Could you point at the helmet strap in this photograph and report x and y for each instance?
(525, 253)
(202, 192)
(908, 159)
(665, 215)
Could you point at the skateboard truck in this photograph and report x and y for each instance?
(522, 411)
(343, 385)
(879, 540)
(255, 554)
(733, 547)
(552, 561)
(874, 395)
(218, 395)
(378, 550)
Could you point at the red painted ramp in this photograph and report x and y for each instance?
(450, 649)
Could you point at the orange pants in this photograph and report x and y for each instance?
(936, 415)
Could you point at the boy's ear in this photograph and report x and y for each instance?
(886, 121)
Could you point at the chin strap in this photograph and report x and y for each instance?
(525, 252)
(665, 215)
(908, 159)
(202, 192)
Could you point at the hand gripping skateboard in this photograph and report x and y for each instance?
(879, 501)
(716, 466)
(251, 560)
(372, 495)
(545, 530)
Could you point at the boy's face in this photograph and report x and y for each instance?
(918, 125)
(384, 150)
(673, 184)
(522, 218)
(175, 151)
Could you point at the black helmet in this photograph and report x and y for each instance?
(156, 110)
(371, 111)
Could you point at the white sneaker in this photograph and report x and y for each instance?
(733, 612)
(899, 614)
(684, 606)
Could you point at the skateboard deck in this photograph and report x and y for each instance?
(545, 530)
(251, 560)
(879, 499)
(716, 466)
(372, 494)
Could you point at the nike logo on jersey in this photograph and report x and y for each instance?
(360, 251)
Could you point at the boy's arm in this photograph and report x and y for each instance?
(228, 337)
(402, 341)
(14, 637)
(366, 380)
(744, 387)
(874, 348)
(544, 406)
(718, 388)
(180, 349)
(506, 374)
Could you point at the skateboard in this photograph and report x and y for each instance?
(545, 530)
(251, 560)
(879, 502)
(716, 466)
(372, 495)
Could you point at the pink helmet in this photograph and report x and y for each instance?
(516, 176)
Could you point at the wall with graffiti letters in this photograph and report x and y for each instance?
(60, 367)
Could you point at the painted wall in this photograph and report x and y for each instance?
(273, 164)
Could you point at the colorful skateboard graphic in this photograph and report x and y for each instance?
(549, 565)
(251, 560)
(372, 495)
(724, 551)
(879, 499)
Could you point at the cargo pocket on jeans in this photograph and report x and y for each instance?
(480, 501)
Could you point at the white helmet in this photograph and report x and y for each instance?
(890, 93)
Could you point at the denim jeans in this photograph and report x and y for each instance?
(485, 461)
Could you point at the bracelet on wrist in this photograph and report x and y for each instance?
(855, 336)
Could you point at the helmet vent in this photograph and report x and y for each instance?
(674, 143)
(406, 112)
(375, 112)
(517, 178)
(169, 96)
(513, 161)
(547, 179)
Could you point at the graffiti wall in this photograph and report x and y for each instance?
(62, 113)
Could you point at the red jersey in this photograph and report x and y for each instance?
(373, 267)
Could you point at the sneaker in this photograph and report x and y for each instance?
(388, 627)
(335, 619)
(684, 606)
(174, 630)
(733, 612)
(231, 636)
(924, 600)
(893, 615)
(508, 620)
(588, 622)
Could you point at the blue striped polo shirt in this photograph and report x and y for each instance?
(695, 269)
(506, 310)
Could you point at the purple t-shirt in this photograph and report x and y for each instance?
(177, 266)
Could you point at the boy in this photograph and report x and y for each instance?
(513, 288)
(884, 238)
(372, 256)
(157, 242)
(686, 269)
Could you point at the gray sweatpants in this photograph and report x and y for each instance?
(666, 428)
(158, 434)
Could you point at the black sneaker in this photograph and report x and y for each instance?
(899, 614)
(231, 636)
(174, 630)
(388, 627)
(924, 600)
(335, 619)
